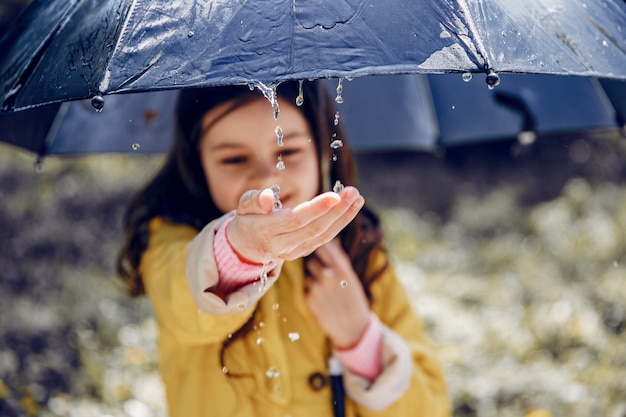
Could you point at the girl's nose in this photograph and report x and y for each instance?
(266, 173)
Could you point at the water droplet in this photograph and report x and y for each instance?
(272, 372)
(300, 98)
(338, 186)
(277, 202)
(270, 94)
(339, 98)
(492, 79)
(343, 283)
(467, 77)
(263, 277)
(453, 107)
(241, 306)
(259, 341)
(97, 102)
(230, 335)
(336, 144)
(279, 135)
(261, 324)
(38, 166)
(280, 165)
(293, 336)
(334, 157)
(251, 86)
(224, 370)
(136, 146)
(190, 34)
(336, 121)
(275, 307)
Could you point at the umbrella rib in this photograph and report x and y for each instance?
(480, 47)
(130, 11)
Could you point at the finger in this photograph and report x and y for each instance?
(256, 202)
(316, 269)
(320, 231)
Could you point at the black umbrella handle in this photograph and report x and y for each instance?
(335, 371)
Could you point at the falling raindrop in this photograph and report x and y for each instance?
(293, 336)
(279, 135)
(343, 283)
(339, 98)
(276, 190)
(261, 324)
(467, 77)
(97, 102)
(272, 372)
(336, 144)
(270, 94)
(336, 121)
(263, 277)
(251, 86)
(275, 307)
(334, 158)
(300, 98)
(136, 146)
(38, 166)
(338, 186)
(280, 165)
(492, 79)
(453, 107)
(259, 341)
(224, 370)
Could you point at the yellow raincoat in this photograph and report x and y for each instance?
(285, 349)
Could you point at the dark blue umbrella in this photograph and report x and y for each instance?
(62, 50)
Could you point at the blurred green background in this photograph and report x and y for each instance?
(513, 256)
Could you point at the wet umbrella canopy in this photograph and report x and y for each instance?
(63, 50)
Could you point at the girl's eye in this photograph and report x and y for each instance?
(234, 160)
(289, 151)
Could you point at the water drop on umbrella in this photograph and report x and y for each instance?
(279, 135)
(190, 34)
(492, 79)
(339, 98)
(300, 98)
(98, 102)
(467, 77)
(336, 144)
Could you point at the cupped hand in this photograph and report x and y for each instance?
(260, 234)
(335, 295)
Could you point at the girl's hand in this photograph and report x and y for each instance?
(335, 296)
(260, 234)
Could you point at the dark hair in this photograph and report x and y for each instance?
(179, 191)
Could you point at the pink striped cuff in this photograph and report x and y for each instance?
(233, 271)
(365, 359)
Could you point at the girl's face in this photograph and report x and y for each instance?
(239, 152)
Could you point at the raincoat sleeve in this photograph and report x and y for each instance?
(178, 270)
(412, 381)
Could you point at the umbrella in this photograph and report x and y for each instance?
(395, 112)
(62, 50)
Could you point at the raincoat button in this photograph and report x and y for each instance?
(317, 381)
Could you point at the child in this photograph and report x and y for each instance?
(253, 299)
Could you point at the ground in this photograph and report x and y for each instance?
(514, 258)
